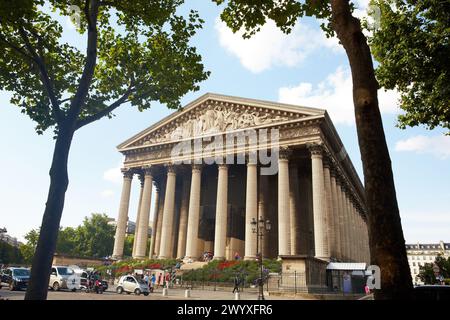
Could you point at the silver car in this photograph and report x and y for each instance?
(132, 284)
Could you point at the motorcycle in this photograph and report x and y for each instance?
(95, 286)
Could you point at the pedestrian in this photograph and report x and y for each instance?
(167, 279)
(152, 282)
(159, 282)
(147, 278)
(367, 289)
(236, 256)
(237, 282)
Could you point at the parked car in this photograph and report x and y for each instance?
(432, 292)
(131, 284)
(60, 277)
(15, 278)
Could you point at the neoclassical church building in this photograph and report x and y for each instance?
(222, 162)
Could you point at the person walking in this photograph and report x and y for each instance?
(237, 282)
(152, 282)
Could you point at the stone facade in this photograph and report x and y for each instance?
(208, 193)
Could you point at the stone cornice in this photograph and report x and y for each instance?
(223, 99)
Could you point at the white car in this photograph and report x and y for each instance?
(132, 284)
(60, 277)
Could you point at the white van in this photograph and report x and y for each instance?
(60, 277)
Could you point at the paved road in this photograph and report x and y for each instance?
(174, 294)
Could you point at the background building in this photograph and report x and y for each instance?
(419, 254)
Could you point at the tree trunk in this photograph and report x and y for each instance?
(45, 249)
(387, 244)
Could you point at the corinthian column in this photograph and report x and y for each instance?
(320, 230)
(262, 210)
(151, 252)
(144, 216)
(182, 229)
(293, 207)
(123, 215)
(220, 237)
(330, 229)
(251, 207)
(136, 228)
(284, 247)
(160, 218)
(335, 201)
(194, 214)
(346, 226)
(165, 250)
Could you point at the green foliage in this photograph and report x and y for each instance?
(128, 266)
(94, 238)
(27, 249)
(251, 15)
(225, 271)
(128, 245)
(10, 254)
(426, 273)
(137, 52)
(413, 49)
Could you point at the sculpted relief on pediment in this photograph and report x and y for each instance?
(210, 119)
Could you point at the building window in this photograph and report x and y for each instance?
(414, 264)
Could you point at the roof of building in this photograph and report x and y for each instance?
(428, 246)
(346, 266)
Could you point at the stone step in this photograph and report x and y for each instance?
(193, 265)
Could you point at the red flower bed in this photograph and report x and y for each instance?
(226, 264)
(154, 266)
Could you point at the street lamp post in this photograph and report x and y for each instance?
(260, 227)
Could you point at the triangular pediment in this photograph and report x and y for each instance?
(213, 114)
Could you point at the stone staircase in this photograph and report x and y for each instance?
(193, 265)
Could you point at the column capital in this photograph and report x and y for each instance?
(316, 149)
(127, 173)
(170, 168)
(196, 167)
(284, 153)
(147, 170)
(222, 166)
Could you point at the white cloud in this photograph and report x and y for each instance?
(438, 146)
(335, 95)
(271, 47)
(113, 175)
(428, 226)
(107, 193)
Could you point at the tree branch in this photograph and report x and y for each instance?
(48, 84)
(16, 48)
(89, 66)
(106, 111)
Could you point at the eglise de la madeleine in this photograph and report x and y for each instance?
(221, 162)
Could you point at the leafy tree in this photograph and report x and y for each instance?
(426, 273)
(66, 242)
(95, 237)
(386, 238)
(413, 48)
(128, 245)
(10, 254)
(136, 52)
(28, 248)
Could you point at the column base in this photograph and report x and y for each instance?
(117, 257)
(140, 257)
(218, 258)
(250, 258)
(189, 259)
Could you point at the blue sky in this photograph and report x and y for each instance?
(303, 68)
